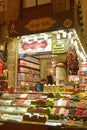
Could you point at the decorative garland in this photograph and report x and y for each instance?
(72, 61)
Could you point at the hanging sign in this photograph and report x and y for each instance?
(33, 47)
(59, 46)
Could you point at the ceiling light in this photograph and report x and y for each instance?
(58, 36)
(45, 36)
(35, 38)
(69, 35)
(61, 31)
(64, 34)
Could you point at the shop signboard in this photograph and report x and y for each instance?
(35, 47)
(40, 24)
(83, 66)
(59, 46)
(1, 66)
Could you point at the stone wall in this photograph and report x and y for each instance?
(12, 61)
(10, 13)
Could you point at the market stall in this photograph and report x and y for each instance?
(38, 46)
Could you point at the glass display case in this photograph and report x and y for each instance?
(52, 109)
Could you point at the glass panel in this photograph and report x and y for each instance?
(3, 5)
(60, 5)
(29, 3)
(39, 2)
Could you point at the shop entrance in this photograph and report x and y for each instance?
(36, 67)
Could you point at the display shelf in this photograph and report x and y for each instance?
(31, 67)
(83, 76)
(28, 70)
(23, 62)
(42, 107)
(32, 59)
